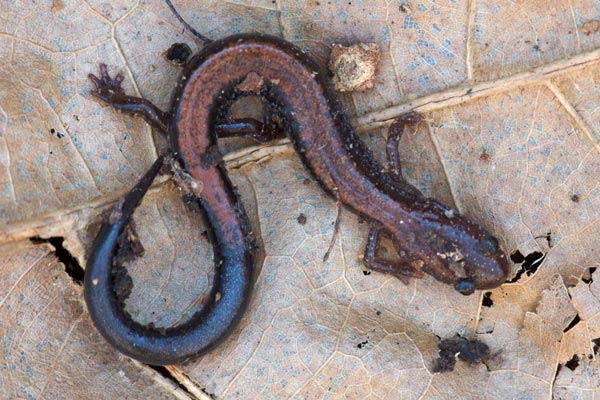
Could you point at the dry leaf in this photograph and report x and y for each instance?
(510, 138)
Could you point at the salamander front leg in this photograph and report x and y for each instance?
(393, 158)
(402, 271)
(110, 91)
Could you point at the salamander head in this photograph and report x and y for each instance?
(486, 265)
(463, 253)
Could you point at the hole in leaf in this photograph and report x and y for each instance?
(572, 324)
(517, 257)
(487, 300)
(72, 267)
(596, 345)
(573, 363)
(531, 262)
(590, 279)
(166, 374)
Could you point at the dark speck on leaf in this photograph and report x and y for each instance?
(301, 219)
(178, 54)
(484, 156)
(472, 351)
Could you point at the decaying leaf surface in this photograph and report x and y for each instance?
(579, 347)
(510, 138)
(48, 344)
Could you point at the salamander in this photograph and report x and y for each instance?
(431, 237)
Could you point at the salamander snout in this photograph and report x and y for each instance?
(465, 286)
(488, 265)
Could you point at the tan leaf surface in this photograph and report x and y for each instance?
(511, 139)
(579, 347)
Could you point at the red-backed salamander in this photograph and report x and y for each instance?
(432, 237)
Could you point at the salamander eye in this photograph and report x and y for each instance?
(465, 286)
(489, 244)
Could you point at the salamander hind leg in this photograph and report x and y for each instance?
(260, 131)
(403, 271)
